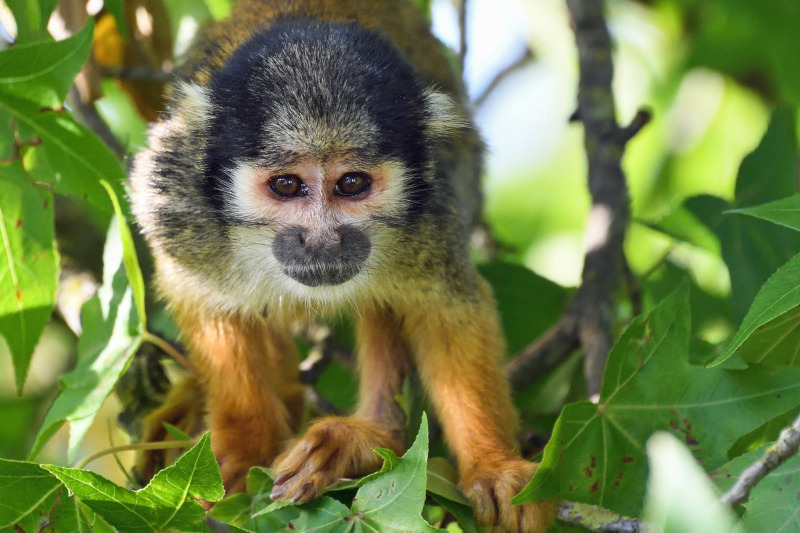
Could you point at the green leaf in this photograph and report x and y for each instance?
(776, 343)
(785, 212)
(167, 503)
(442, 487)
(393, 501)
(515, 287)
(77, 160)
(753, 249)
(596, 454)
(443, 480)
(129, 257)
(773, 503)
(112, 332)
(390, 500)
(323, 515)
(770, 171)
(27, 493)
(31, 17)
(29, 265)
(680, 499)
(43, 72)
(32, 499)
(219, 9)
(779, 295)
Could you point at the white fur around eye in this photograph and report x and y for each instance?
(245, 197)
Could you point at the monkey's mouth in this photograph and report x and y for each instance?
(322, 274)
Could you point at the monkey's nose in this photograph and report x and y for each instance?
(315, 240)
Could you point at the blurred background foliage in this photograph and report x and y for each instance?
(714, 73)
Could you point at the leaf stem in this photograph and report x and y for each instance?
(169, 350)
(160, 445)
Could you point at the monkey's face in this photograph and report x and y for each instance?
(317, 223)
(301, 172)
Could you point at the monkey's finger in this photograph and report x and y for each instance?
(484, 503)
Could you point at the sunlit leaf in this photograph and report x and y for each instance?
(78, 158)
(776, 342)
(390, 500)
(167, 503)
(753, 249)
(785, 212)
(31, 17)
(28, 264)
(219, 9)
(596, 454)
(394, 500)
(43, 72)
(112, 332)
(27, 493)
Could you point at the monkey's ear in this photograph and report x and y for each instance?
(445, 116)
(192, 102)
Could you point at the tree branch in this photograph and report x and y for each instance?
(588, 321)
(786, 447)
(543, 355)
(523, 60)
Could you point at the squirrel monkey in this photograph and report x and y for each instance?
(318, 158)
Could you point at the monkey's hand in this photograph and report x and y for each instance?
(490, 487)
(331, 449)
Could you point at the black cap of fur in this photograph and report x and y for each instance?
(329, 72)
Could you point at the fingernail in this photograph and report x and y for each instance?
(300, 495)
(277, 492)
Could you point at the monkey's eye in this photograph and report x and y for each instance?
(352, 184)
(288, 186)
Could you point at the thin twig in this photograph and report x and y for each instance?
(140, 446)
(169, 350)
(523, 60)
(544, 354)
(596, 518)
(117, 460)
(786, 447)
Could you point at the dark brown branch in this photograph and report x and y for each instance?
(596, 518)
(523, 60)
(588, 321)
(608, 220)
(786, 447)
(543, 355)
